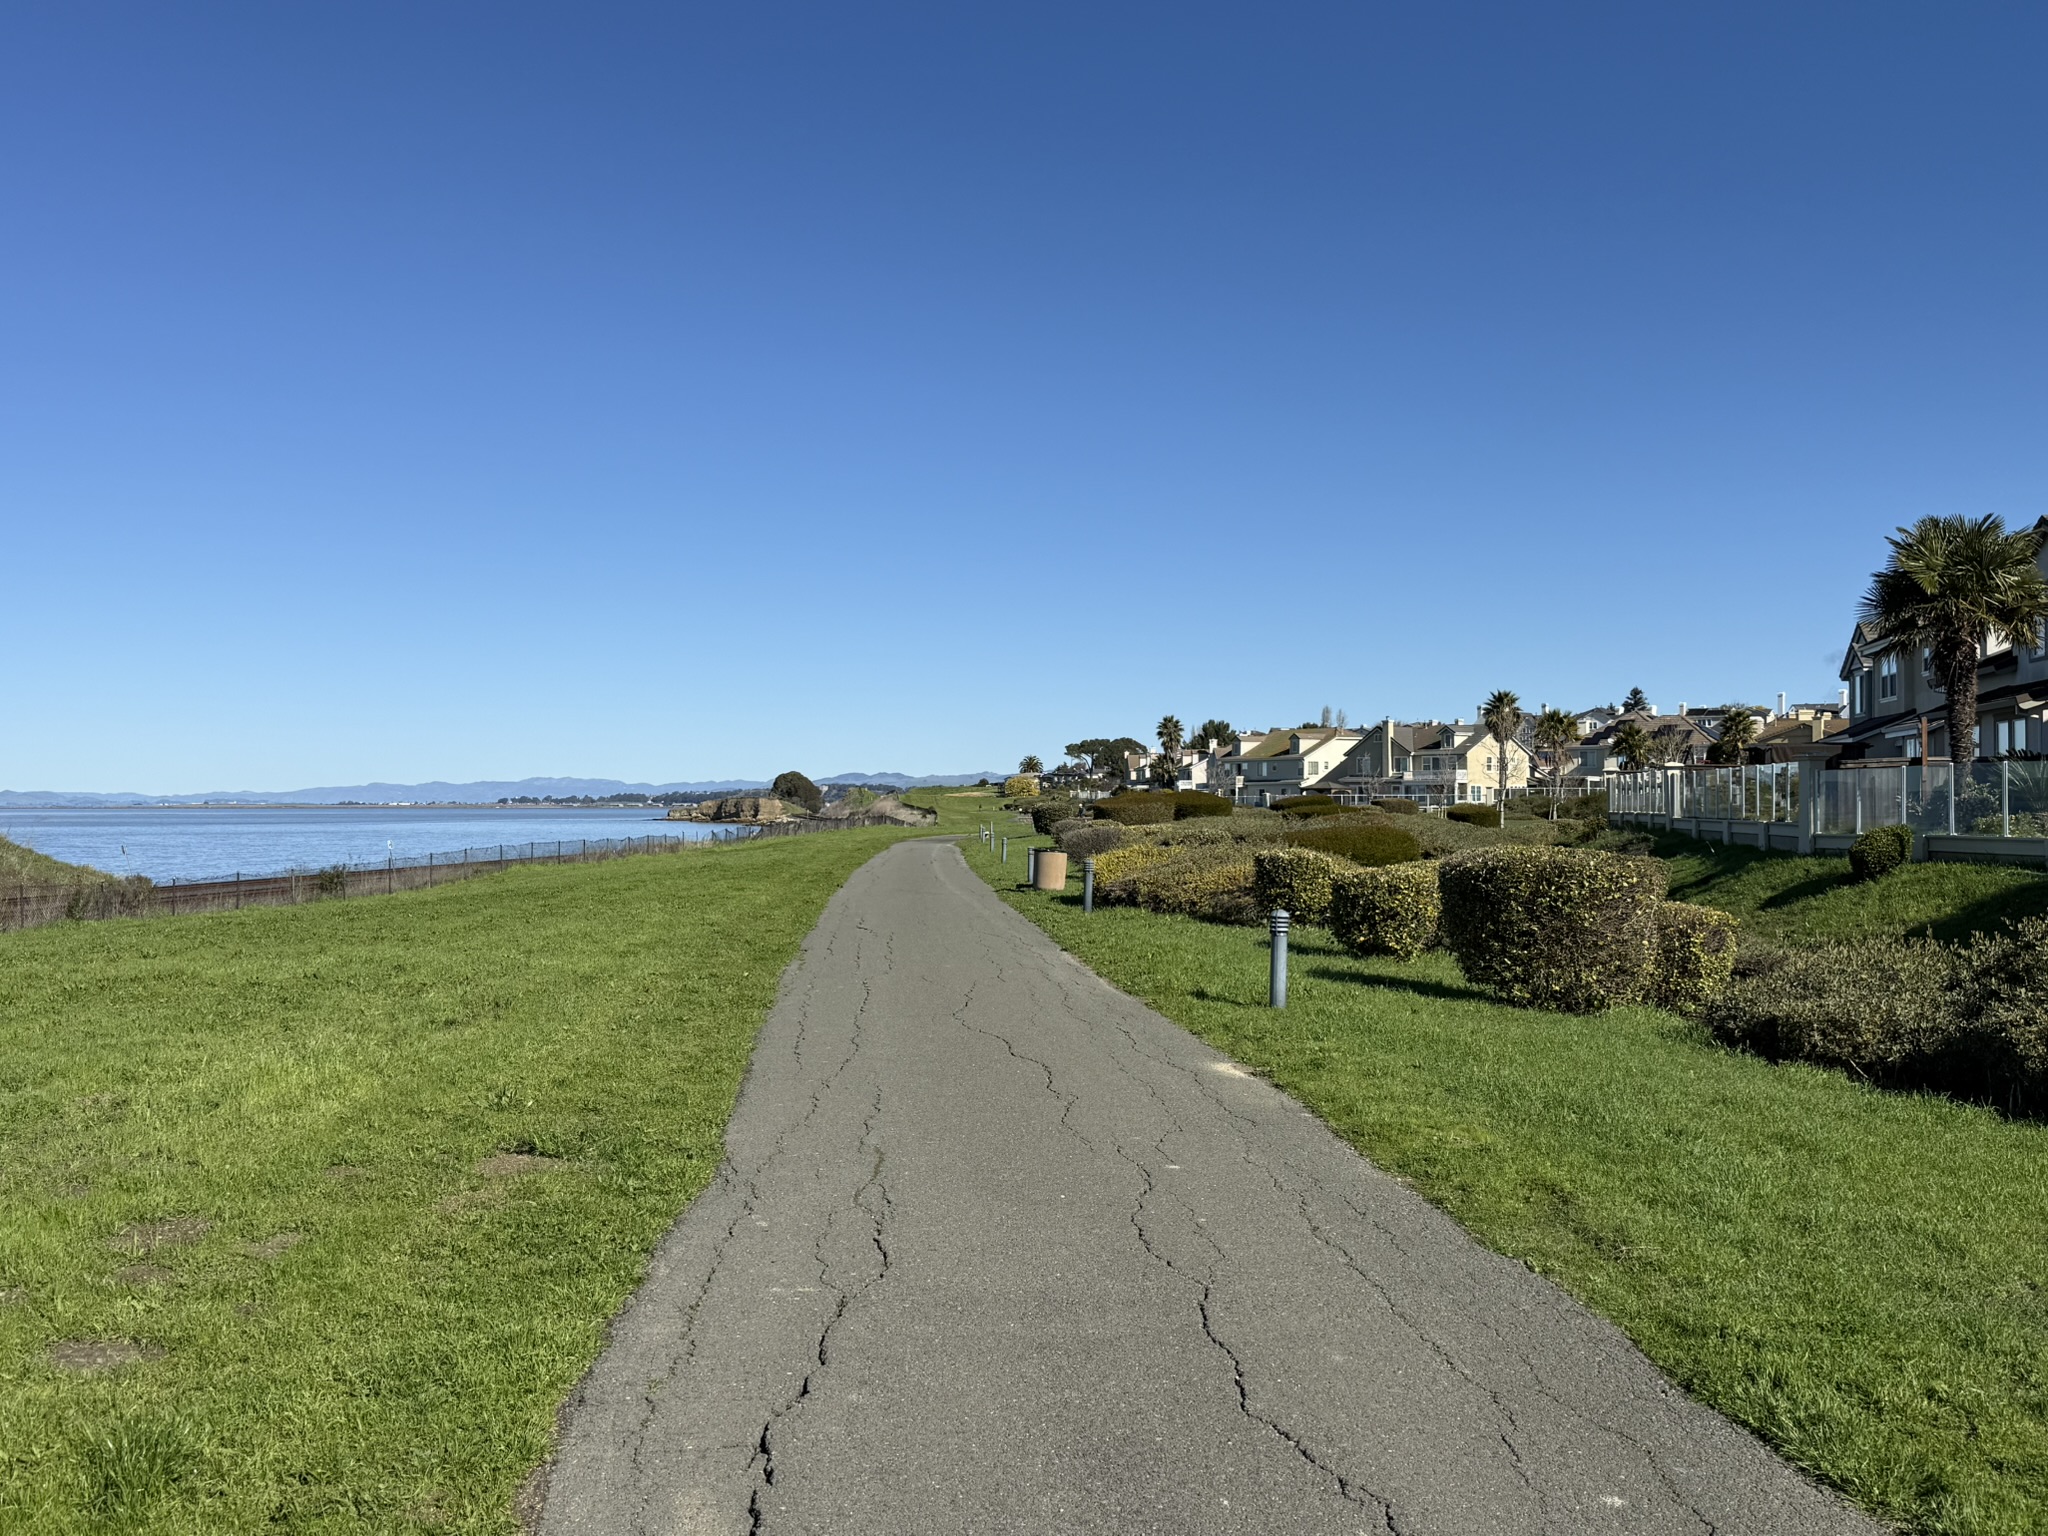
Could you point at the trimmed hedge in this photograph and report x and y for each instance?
(1212, 883)
(1048, 811)
(1309, 805)
(1880, 851)
(1137, 810)
(1189, 803)
(1128, 859)
(1695, 956)
(1299, 879)
(1391, 911)
(1564, 928)
(1399, 806)
(1088, 839)
(1475, 815)
(1367, 843)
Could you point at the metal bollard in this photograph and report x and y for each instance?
(1278, 991)
(1006, 850)
(1031, 867)
(1087, 885)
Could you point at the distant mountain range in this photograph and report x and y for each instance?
(479, 792)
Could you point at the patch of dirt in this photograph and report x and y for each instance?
(13, 1296)
(172, 1232)
(434, 1510)
(85, 1356)
(531, 1498)
(274, 1247)
(146, 1274)
(505, 1165)
(344, 1171)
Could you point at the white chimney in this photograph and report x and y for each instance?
(1843, 695)
(1681, 706)
(1781, 706)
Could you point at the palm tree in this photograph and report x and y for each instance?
(1634, 746)
(1031, 764)
(1557, 732)
(1171, 736)
(1738, 730)
(1502, 716)
(1949, 583)
(1636, 699)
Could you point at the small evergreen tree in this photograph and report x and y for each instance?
(795, 787)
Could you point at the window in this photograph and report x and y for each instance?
(1888, 677)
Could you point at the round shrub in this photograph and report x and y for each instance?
(1213, 883)
(1695, 956)
(1882, 1009)
(1298, 879)
(1390, 911)
(1475, 815)
(1565, 928)
(1308, 805)
(1189, 803)
(1398, 806)
(1137, 810)
(1116, 863)
(1369, 843)
(1088, 839)
(1048, 811)
(1880, 851)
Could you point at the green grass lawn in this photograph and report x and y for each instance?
(354, 1187)
(1783, 899)
(24, 866)
(1861, 1277)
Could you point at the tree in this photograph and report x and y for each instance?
(1738, 730)
(1633, 745)
(794, 786)
(1104, 754)
(1328, 719)
(1949, 583)
(1636, 699)
(1502, 716)
(1030, 764)
(1171, 738)
(1214, 733)
(1557, 733)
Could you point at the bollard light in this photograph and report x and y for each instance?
(1278, 988)
(1087, 885)
(1031, 867)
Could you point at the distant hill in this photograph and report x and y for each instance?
(439, 792)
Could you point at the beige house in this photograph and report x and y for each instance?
(1271, 765)
(1431, 763)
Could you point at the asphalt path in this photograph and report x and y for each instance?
(998, 1249)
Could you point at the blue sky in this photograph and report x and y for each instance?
(459, 391)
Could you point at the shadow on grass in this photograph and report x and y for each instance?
(1805, 890)
(1421, 986)
(1988, 914)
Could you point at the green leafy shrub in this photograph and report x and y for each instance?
(1879, 1008)
(1088, 839)
(1137, 810)
(1116, 863)
(2001, 1050)
(1213, 883)
(1475, 815)
(1880, 851)
(1363, 842)
(1190, 803)
(1021, 786)
(1298, 879)
(1309, 805)
(1695, 956)
(1212, 831)
(1563, 928)
(1394, 910)
(1398, 806)
(1048, 811)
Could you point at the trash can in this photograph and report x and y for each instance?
(1052, 870)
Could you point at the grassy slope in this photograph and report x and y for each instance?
(24, 866)
(1860, 1277)
(401, 1365)
(1789, 900)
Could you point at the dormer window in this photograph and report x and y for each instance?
(1888, 676)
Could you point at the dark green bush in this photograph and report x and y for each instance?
(1391, 911)
(1695, 956)
(795, 787)
(2001, 1051)
(1399, 806)
(1208, 881)
(1307, 805)
(1880, 1008)
(1141, 809)
(1564, 928)
(1048, 811)
(1188, 803)
(1880, 851)
(1368, 843)
(1298, 879)
(1475, 815)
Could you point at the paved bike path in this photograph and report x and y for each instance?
(998, 1249)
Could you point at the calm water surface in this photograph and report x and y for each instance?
(219, 842)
